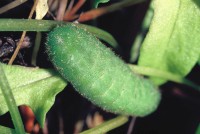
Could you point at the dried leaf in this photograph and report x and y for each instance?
(41, 9)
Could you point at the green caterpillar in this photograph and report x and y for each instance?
(98, 74)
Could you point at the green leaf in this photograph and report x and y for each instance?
(96, 2)
(198, 130)
(140, 36)
(199, 60)
(10, 102)
(6, 130)
(101, 34)
(33, 87)
(172, 44)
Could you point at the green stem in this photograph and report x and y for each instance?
(10, 101)
(161, 74)
(36, 48)
(107, 126)
(28, 25)
(48, 25)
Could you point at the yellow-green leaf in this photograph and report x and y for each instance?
(172, 44)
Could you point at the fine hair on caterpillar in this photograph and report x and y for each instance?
(98, 74)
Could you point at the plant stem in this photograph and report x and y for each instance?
(161, 74)
(10, 101)
(107, 126)
(28, 25)
(48, 25)
(131, 125)
(38, 39)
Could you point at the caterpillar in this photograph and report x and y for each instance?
(98, 74)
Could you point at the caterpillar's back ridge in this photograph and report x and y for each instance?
(98, 74)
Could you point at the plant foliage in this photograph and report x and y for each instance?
(33, 87)
(172, 43)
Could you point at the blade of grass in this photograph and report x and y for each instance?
(10, 101)
(107, 126)
(157, 73)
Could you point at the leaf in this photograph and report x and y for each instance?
(198, 130)
(172, 43)
(101, 34)
(10, 102)
(6, 130)
(97, 2)
(33, 87)
(199, 60)
(141, 34)
(41, 9)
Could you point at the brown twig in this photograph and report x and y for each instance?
(23, 35)
(70, 15)
(92, 14)
(61, 10)
(11, 5)
(69, 8)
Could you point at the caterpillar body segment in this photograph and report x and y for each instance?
(98, 74)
